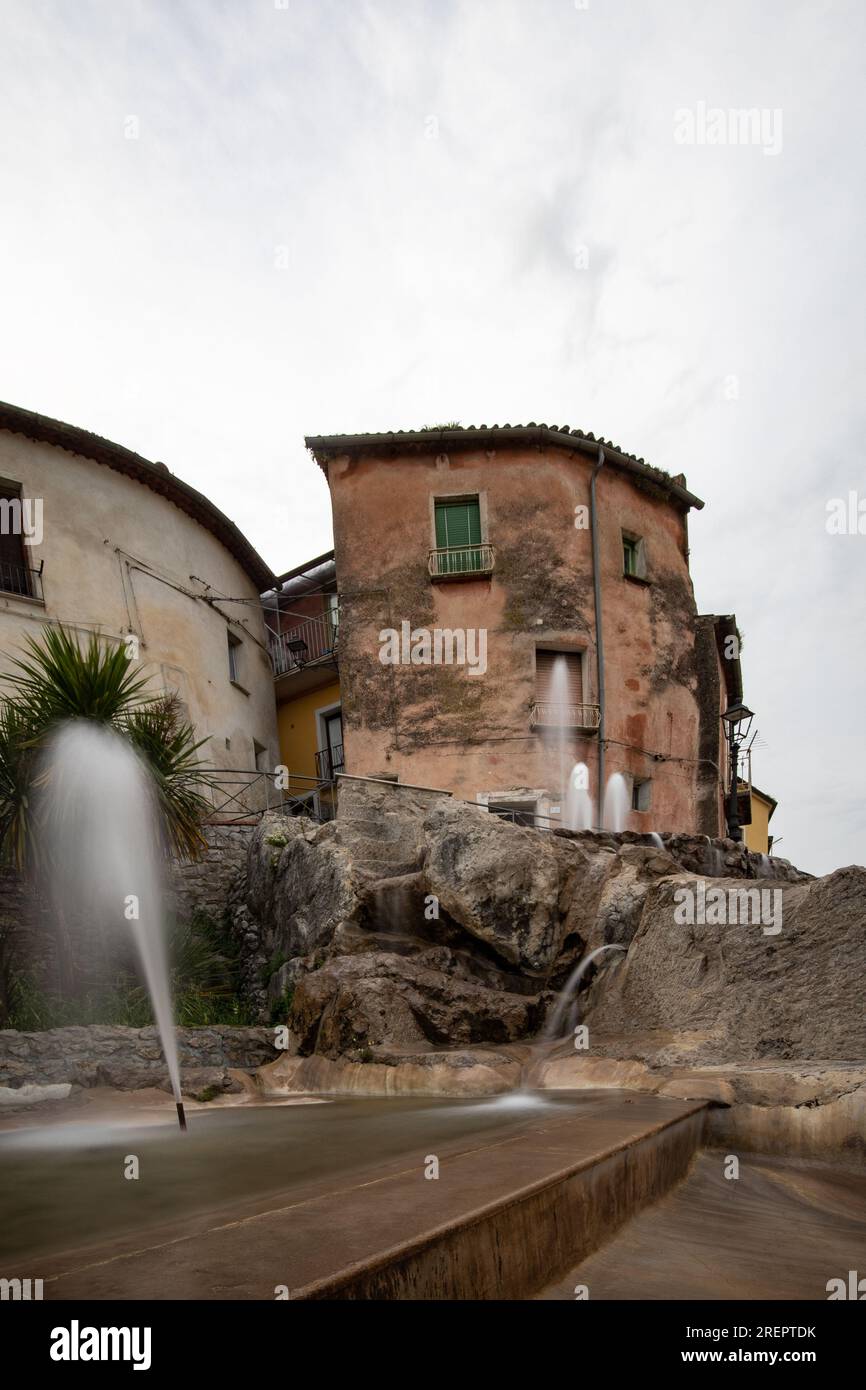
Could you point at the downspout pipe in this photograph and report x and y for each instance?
(599, 634)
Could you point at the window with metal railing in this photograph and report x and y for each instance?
(459, 552)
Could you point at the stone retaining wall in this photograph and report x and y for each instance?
(131, 1058)
(27, 940)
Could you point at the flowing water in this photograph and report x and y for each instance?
(562, 1016)
(102, 854)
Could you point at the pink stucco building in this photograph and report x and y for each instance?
(515, 601)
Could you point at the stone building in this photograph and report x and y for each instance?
(515, 601)
(114, 544)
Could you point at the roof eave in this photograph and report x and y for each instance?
(325, 447)
(44, 429)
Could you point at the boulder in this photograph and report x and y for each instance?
(356, 1003)
(301, 883)
(506, 885)
(739, 992)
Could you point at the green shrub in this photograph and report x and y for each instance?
(282, 1007)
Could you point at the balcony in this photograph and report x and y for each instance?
(461, 562)
(543, 715)
(314, 640)
(329, 761)
(22, 581)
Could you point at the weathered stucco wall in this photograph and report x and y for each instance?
(120, 559)
(441, 726)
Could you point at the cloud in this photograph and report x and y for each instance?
(341, 216)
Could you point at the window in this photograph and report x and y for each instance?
(234, 658)
(14, 570)
(559, 701)
(641, 794)
(633, 557)
(558, 677)
(330, 759)
(260, 756)
(519, 812)
(458, 537)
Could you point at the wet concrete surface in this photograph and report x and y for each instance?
(257, 1197)
(781, 1230)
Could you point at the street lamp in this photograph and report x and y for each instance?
(736, 722)
(299, 650)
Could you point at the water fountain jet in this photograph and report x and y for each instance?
(578, 801)
(616, 803)
(98, 819)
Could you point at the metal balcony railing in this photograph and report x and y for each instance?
(22, 580)
(329, 761)
(241, 796)
(544, 715)
(312, 640)
(461, 561)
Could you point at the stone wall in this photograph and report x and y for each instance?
(28, 940)
(205, 886)
(131, 1058)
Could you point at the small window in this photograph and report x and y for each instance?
(15, 574)
(458, 522)
(458, 536)
(633, 557)
(260, 756)
(641, 794)
(234, 658)
(558, 677)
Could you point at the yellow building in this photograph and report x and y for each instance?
(303, 617)
(757, 833)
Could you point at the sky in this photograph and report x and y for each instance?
(228, 225)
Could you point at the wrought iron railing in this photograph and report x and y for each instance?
(312, 640)
(461, 561)
(21, 580)
(329, 761)
(545, 715)
(240, 795)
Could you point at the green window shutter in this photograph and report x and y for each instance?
(459, 524)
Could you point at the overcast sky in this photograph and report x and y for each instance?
(226, 225)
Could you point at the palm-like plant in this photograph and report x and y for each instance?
(58, 679)
(167, 743)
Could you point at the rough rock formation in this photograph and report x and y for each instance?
(741, 991)
(416, 923)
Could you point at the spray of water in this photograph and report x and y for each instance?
(579, 813)
(616, 803)
(102, 854)
(559, 699)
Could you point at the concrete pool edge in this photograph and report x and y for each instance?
(544, 1224)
